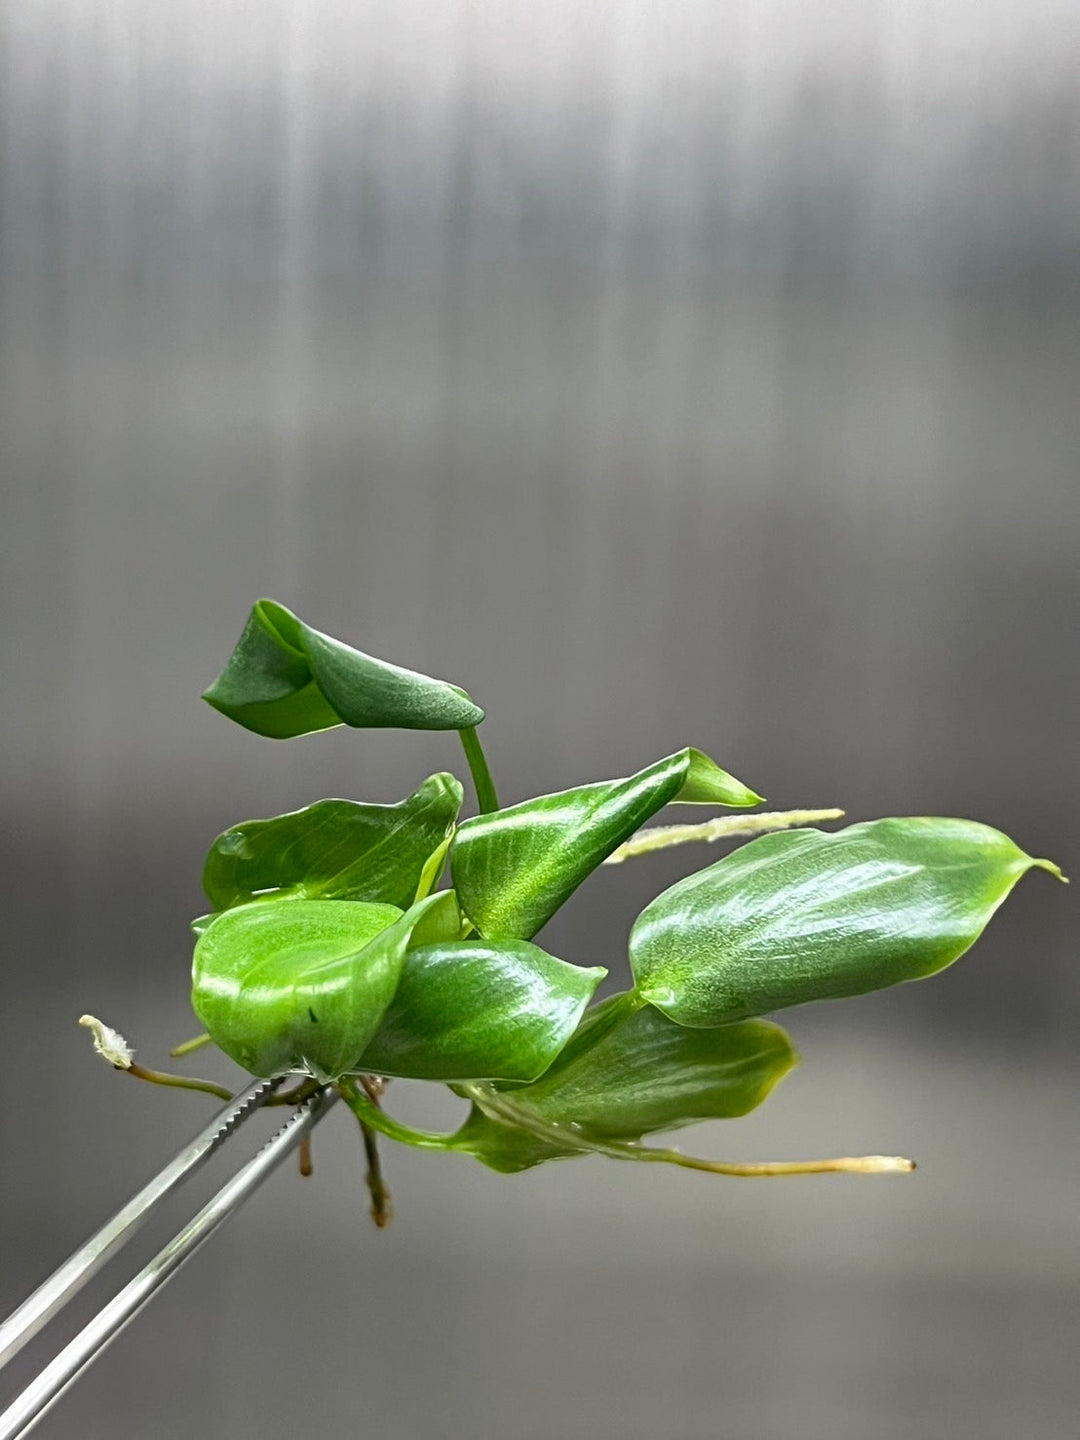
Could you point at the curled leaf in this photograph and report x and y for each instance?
(513, 868)
(336, 850)
(284, 985)
(630, 1072)
(807, 915)
(285, 679)
(469, 1009)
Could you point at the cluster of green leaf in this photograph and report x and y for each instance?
(333, 952)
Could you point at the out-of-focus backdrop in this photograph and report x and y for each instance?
(688, 372)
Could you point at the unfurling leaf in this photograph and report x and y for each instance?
(512, 869)
(286, 679)
(470, 1010)
(806, 915)
(335, 850)
(631, 1072)
(284, 985)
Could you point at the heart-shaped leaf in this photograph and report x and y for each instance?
(286, 679)
(630, 1072)
(284, 985)
(513, 868)
(471, 1010)
(335, 850)
(808, 915)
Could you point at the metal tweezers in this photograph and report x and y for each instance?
(25, 1322)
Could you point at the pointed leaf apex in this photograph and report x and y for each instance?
(707, 784)
(1051, 869)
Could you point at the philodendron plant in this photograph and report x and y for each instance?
(352, 942)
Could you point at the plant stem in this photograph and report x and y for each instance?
(368, 1113)
(190, 1046)
(296, 1096)
(207, 1087)
(486, 798)
(181, 1082)
(663, 837)
(382, 1208)
(500, 1107)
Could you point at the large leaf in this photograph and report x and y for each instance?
(284, 985)
(471, 1010)
(629, 1073)
(513, 868)
(807, 915)
(286, 679)
(335, 850)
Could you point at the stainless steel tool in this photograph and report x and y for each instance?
(25, 1322)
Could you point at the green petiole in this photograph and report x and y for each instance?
(369, 1114)
(486, 798)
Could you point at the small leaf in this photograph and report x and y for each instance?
(335, 850)
(512, 869)
(433, 920)
(286, 679)
(806, 915)
(631, 1072)
(469, 1010)
(434, 866)
(284, 985)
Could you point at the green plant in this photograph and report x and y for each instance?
(331, 952)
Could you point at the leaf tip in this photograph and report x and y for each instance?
(109, 1043)
(477, 713)
(1051, 869)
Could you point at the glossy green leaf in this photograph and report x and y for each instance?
(336, 850)
(471, 1010)
(513, 868)
(631, 1072)
(806, 915)
(286, 679)
(284, 985)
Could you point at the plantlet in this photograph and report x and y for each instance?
(332, 953)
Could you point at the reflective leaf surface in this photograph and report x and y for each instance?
(631, 1072)
(470, 1009)
(806, 915)
(512, 869)
(285, 679)
(286, 985)
(336, 850)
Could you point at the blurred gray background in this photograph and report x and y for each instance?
(695, 372)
